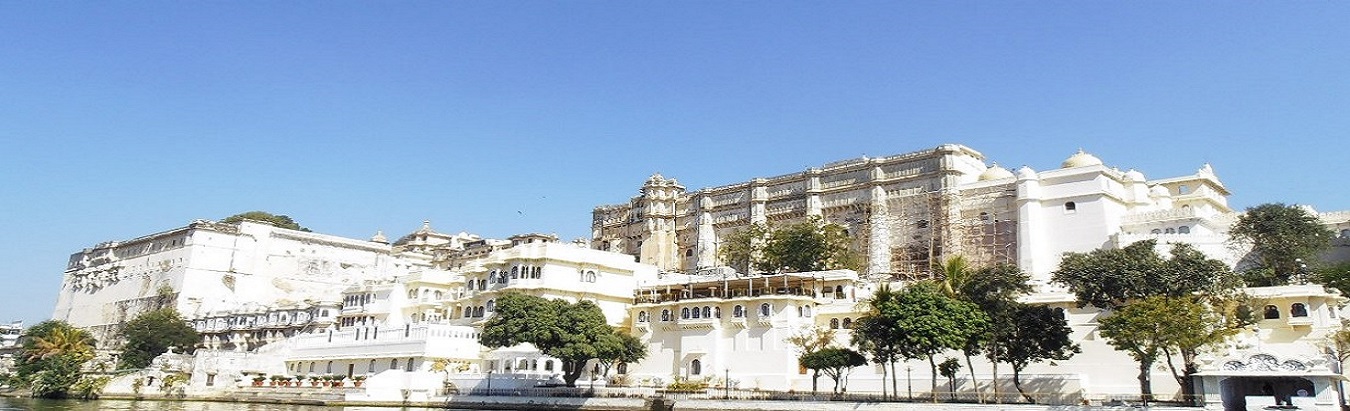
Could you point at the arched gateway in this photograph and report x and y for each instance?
(1263, 380)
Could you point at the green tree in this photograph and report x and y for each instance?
(1111, 278)
(810, 245)
(740, 249)
(877, 336)
(1146, 329)
(620, 348)
(928, 322)
(1336, 276)
(50, 356)
(995, 290)
(151, 334)
(567, 331)
(835, 363)
(1279, 236)
(810, 340)
(949, 368)
(1033, 333)
(279, 220)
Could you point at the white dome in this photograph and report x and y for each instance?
(995, 172)
(1134, 176)
(1081, 159)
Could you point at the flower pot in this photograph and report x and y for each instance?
(357, 383)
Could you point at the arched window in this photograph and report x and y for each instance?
(765, 310)
(684, 313)
(1155, 231)
(696, 313)
(1070, 207)
(393, 364)
(538, 272)
(1170, 230)
(623, 368)
(689, 252)
(492, 305)
(707, 312)
(548, 365)
(523, 365)
(1298, 310)
(696, 367)
(848, 323)
(806, 311)
(834, 323)
(1272, 312)
(738, 311)
(492, 276)
(369, 367)
(717, 312)
(642, 316)
(665, 315)
(839, 291)
(1185, 229)
(329, 368)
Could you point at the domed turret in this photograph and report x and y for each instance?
(1134, 175)
(995, 172)
(379, 238)
(1081, 159)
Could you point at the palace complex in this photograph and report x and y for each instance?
(408, 313)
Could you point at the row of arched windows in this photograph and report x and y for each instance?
(1169, 230)
(737, 311)
(1296, 310)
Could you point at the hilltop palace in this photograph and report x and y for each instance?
(407, 313)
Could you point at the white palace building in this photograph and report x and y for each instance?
(407, 314)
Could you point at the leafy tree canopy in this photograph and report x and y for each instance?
(279, 220)
(1111, 278)
(834, 362)
(1279, 235)
(50, 356)
(571, 332)
(811, 245)
(620, 347)
(151, 334)
(1034, 333)
(1336, 276)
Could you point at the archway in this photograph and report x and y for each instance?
(1236, 390)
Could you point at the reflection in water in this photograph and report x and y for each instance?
(27, 404)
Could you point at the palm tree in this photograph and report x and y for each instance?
(63, 340)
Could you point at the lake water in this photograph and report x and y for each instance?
(27, 404)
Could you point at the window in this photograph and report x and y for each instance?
(1272, 312)
(717, 312)
(371, 367)
(1298, 310)
(689, 252)
(515, 272)
(665, 315)
(848, 323)
(1345, 233)
(1155, 231)
(695, 367)
(1070, 207)
(806, 311)
(834, 323)
(623, 368)
(738, 311)
(765, 310)
(839, 292)
(491, 305)
(1183, 189)
(707, 312)
(642, 316)
(684, 313)
(984, 216)
(393, 364)
(548, 365)
(1184, 229)
(696, 313)
(1170, 231)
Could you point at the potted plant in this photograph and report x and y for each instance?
(276, 380)
(258, 380)
(357, 380)
(337, 380)
(314, 380)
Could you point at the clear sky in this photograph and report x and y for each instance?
(120, 119)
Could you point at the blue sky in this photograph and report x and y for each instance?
(119, 119)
